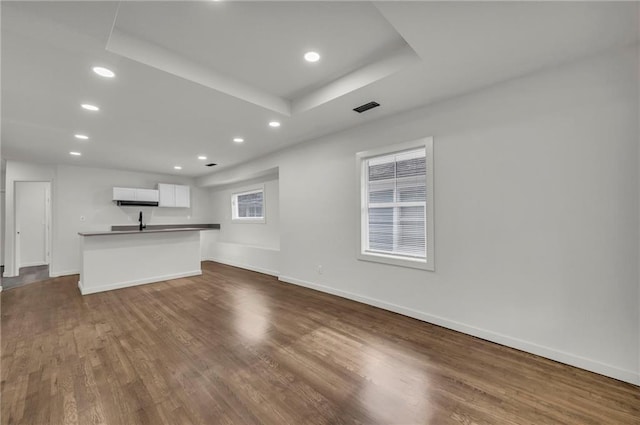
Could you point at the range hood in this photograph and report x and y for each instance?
(136, 203)
(135, 197)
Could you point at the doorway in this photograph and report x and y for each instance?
(32, 228)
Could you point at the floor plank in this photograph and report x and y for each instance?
(237, 347)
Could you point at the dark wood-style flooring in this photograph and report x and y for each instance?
(237, 347)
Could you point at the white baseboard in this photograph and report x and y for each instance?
(120, 285)
(53, 273)
(245, 266)
(530, 347)
(33, 264)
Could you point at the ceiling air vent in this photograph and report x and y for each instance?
(360, 109)
(211, 164)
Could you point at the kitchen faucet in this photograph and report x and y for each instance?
(142, 226)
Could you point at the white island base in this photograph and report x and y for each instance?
(113, 260)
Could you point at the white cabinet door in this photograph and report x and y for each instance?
(124, 194)
(182, 196)
(167, 195)
(174, 195)
(147, 195)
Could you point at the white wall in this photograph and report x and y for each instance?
(31, 222)
(250, 245)
(638, 123)
(265, 234)
(16, 172)
(83, 202)
(536, 215)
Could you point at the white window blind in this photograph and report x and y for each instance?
(396, 204)
(248, 205)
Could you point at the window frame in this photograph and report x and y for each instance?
(427, 263)
(248, 191)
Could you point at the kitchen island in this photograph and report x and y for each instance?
(122, 258)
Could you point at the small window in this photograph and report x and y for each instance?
(248, 206)
(396, 186)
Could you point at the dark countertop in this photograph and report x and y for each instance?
(166, 226)
(154, 228)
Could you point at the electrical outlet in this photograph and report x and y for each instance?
(320, 269)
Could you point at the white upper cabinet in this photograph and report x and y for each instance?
(124, 194)
(147, 195)
(131, 194)
(183, 198)
(167, 195)
(174, 195)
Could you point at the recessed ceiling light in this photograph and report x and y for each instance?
(81, 137)
(103, 72)
(75, 153)
(274, 124)
(89, 107)
(202, 157)
(238, 140)
(177, 167)
(312, 56)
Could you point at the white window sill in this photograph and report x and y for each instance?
(249, 220)
(396, 261)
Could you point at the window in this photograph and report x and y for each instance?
(396, 186)
(248, 206)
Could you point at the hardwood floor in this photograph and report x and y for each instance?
(237, 347)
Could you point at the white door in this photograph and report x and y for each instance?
(18, 244)
(2, 222)
(32, 218)
(47, 230)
